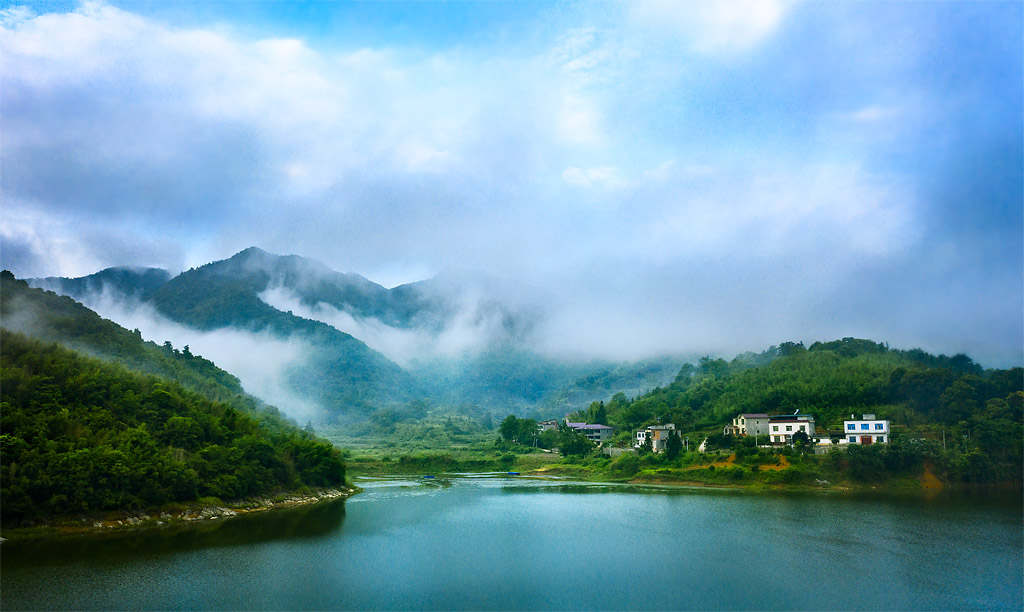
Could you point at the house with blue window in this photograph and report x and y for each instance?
(866, 430)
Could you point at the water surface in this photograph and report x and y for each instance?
(470, 542)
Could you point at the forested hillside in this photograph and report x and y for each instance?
(925, 397)
(55, 318)
(82, 435)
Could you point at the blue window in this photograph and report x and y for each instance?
(853, 439)
(863, 425)
(879, 426)
(851, 426)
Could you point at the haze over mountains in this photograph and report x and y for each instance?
(325, 345)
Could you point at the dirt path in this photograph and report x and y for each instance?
(929, 480)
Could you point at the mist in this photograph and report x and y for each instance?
(260, 360)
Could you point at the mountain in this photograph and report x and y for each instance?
(127, 282)
(340, 373)
(49, 317)
(458, 338)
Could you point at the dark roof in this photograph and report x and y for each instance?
(587, 426)
(755, 416)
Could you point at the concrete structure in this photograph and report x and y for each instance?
(658, 435)
(750, 424)
(867, 430)
(598, 434)
(782, 427)
(546, 425)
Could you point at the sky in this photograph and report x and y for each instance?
(683, 177)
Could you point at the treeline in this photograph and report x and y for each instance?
(82, 435)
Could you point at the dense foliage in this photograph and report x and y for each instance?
(927, 398)
(80, 435)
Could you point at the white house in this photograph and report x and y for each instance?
(867, 430)
(781, 428)
(658, 434)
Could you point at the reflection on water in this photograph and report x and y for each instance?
(282, 524)
(491, 541)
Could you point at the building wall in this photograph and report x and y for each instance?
(866, 431)
(781, 432)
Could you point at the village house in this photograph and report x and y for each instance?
(657, 434)
(782, 427)
(547, 425)
(755, 424)
(867, 430)
(598, 434)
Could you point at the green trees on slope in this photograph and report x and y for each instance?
(82, 435)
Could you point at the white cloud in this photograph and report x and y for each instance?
(734, 26)
(591, 176)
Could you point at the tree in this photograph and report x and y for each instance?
(509, 428)
(673, 445)
(574, 443)
(526, 431)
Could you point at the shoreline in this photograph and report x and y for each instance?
(172, 515)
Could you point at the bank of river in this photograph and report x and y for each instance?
(172, 515)
(517, 543)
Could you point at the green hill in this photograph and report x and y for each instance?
(83, 435)
(924, 396)
(341, 374)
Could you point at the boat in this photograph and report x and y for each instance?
(429, 476)
(513, 473)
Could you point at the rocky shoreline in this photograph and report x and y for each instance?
(180, 514)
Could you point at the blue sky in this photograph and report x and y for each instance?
(683, 176)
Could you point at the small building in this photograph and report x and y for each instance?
(782, 427)
(547, 425)
(867, 430)
(598, 434)
(657, 434)
(751, 424)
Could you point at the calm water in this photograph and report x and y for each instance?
(504, 543)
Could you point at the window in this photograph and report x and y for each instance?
(803, 428)
(775, 427)
(789, 428)
(851, 426)
(853, 439)
(863, 425)
(879, 438)
(879, 426)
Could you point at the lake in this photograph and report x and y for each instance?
(498, 542)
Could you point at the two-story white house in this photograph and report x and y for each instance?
(867, 430)
(781, 428)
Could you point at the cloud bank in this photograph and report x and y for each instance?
(685, 177)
